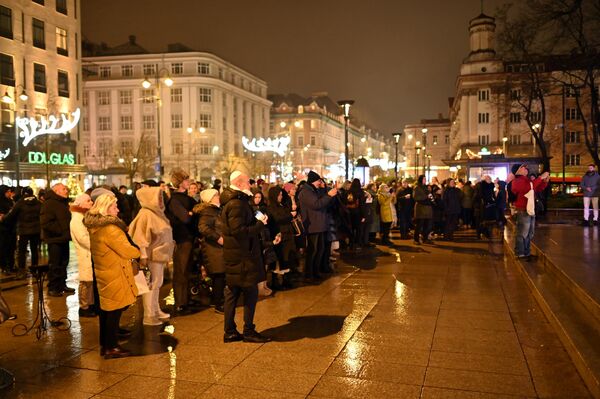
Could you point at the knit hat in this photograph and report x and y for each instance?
(80, 199)
(313, 177)
(99, 191)
(234, 175)
(150, 183)
(207, 195)
(516, 167)
(178, 175)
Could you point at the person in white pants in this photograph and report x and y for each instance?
(590, 184)
(152, 232)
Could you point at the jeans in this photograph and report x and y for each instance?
(182, 260)
(586, 207)
(524, 233)
(232, 295)
(34, 244)
(314, 254)
(58, 260)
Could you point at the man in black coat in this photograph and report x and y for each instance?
(244, 267)
(8, 235)
(55, 218)
(179, 212)
(26, 215)
(452, 199)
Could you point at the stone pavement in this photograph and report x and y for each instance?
(443, 321)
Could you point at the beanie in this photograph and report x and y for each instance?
(80, 199)
(178, 175)
(234, 175)
(207, 195)
(99, 191)
(313, 177)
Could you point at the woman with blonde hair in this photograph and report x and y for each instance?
(112, 254)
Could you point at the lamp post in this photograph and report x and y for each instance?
(345, 105)
(504, 140)
(428, 173)
(7, 99)
(146, 84)
(397, 140)
(417, 155)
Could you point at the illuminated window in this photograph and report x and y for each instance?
(62, 42)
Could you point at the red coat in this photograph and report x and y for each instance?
(521, 186)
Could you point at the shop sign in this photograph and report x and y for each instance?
(277, 145)
(54, 158)
(30, 128)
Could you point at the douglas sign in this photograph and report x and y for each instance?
(54, 158)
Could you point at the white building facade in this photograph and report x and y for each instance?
(40, 77)
(200, 104)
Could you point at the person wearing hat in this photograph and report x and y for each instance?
(242, 256)
(313, 209)
(211, 244)
(524, 190)
(179, 212)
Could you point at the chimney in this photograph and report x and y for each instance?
(132, 39)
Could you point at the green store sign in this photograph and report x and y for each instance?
(54, 158)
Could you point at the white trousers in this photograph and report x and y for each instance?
(151, 298)
(586, 207)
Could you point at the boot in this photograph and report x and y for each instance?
(263, 290)
(156, 310)
(149, 317)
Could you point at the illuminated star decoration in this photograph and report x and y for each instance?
(31, 128)
(278, 145)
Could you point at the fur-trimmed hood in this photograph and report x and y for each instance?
(94, 221)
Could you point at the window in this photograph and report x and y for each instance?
(203, 68)
(515, 94)
(148, 96)
(61, 6)
(573, 137)
(484, 139)
(63, 84)
(104, 72)
(313, 140)
(39, 39)
(176, 121)
(125, 97)
(300, 141)
(176, 95)
(515, 139)
(85, 122)
(104, 123)
(103, 97)
(62, 42)
(39, 78)
(177, 147)
(6, 22)
(85, 98)
(221, 74)
(435, 141)
(515, 117)
(86, 150)
(573, 160)
(447, 139)
(7, 71)
(484, 117)
(571, 114)
(126, 70)
(126, 147)
(206, 120)
(484, 95)
(571, 92)
(177, 68)
(126, 122)
(104, 148)
(205, 95)
(149, 69)
(535, 116)
(148, 121)
(204, 148)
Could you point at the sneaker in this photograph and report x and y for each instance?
(254, 337)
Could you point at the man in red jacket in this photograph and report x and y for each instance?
(524, 189)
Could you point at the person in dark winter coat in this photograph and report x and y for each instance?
(467, 204)
(404, 207)
(211, 236)
(313, 208)
(244, 267)
(8, 233)
(55, 219)
(451, 197)
(354, 200)
(501, 200)
(423, 211)
(26, 215)
(280, 217)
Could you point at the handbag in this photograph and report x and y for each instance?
(298, 226)
(141, 283)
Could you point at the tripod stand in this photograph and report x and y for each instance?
(42, 317)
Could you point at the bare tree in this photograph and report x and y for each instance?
(139, 159)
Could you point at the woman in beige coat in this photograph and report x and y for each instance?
(151, 231)
(81, 241)
(112, 255)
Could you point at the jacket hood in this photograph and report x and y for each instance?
(273, 194)
(228, 194)
(95, 221)
(151, 198)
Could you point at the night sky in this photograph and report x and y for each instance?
(398, 59)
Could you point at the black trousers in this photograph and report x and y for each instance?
(58, 260)
(8, 244)
(109, 328)
(403, 223)
(182, 264)
(232, 294)
(385, 231)
(314, 254)
(450, 226)
(467, 217)
(34, 244)
(422, 228)
(218, 288)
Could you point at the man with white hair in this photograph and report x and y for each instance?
(55, 219)
(242, 254)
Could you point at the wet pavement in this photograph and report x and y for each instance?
(442, 321)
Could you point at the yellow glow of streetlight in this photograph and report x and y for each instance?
(424, 130)
(169, 82)
(6, 99)
(505, 139)
(282, 124)
(297, 124)
(23, 96)
(189, 129)
(418, 143)
(410, 136)
(363, 139)
(202, 129)
(146, 84)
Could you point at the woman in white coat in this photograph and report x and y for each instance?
(81, 241)
(152, 232)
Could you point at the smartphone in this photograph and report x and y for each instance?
(259, 215)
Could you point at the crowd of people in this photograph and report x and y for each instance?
(248, 239)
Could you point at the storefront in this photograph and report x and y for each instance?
(494, 165)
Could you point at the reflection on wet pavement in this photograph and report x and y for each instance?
(444, 320)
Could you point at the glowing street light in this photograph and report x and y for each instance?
(345, 105)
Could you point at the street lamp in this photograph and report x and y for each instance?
(424, 158)
(417, 154)
(504, 140)
(397, 140)
(428, 173)
(146, 84)
(345, 105)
